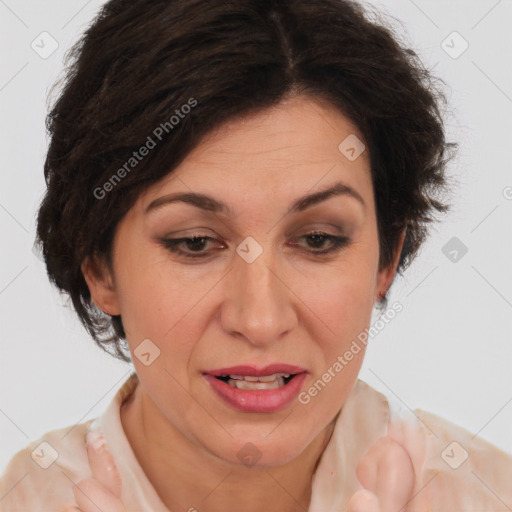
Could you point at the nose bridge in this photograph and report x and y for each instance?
(258, 306)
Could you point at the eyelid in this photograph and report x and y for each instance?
(337, 243)
(342, 220)
(320, 227)
(340, 228)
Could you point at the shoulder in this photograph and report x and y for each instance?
(454, 469)
(41, 476)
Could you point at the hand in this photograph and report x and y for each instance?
(103, 490)
(387, 476)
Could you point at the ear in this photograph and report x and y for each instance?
(100, 281)
(386, 275)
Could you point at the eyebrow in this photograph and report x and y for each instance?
(210, 204)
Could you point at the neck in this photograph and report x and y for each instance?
(186, 477)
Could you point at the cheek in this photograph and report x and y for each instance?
(356, 300)
(339, 298)
(152, 299)
(345, 313)
(165, 304)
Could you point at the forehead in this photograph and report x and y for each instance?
(277, 154)
(301, 130)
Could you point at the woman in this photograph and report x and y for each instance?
(232, 188)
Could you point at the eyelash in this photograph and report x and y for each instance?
(173, 244)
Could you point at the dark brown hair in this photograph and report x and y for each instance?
(142, 61)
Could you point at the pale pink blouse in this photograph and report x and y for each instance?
(454, 471)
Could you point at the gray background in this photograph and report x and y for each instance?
(449, 351)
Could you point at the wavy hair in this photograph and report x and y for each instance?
(141, 60)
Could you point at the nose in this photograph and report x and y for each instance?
(258, 304)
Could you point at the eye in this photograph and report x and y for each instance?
(319, 238)
(195, 245)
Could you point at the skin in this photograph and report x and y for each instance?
(289, 305)
(385, 471)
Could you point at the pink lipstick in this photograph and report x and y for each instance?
(251, 389)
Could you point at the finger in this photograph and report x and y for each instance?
(387, 471)
(91, 496)
(102, 463)
(363, 501)
(395, 480)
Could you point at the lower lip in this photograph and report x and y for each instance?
(258, 400)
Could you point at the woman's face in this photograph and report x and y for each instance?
(257, 287)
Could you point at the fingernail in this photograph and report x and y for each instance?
(95, 439)
(94, 425)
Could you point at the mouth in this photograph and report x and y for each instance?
(274, 381)
(251, 389)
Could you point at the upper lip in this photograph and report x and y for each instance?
(253, 371)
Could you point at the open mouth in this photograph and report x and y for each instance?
(274, 381)
(257, 390)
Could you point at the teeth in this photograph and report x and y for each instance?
(267, 378)
(261, 378)
(274, 381)
(252, 385)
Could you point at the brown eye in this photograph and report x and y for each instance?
(318, 240)
(194, 246)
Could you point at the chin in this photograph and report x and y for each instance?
(261, 451)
